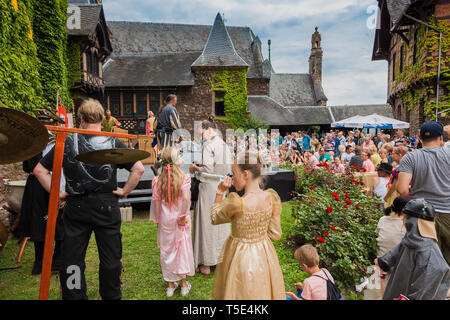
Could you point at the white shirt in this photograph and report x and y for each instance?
(346, 157)
(390, 232)
(381, 188)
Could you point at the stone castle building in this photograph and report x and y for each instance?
(411, 50)
(151, 60)
(132, 66)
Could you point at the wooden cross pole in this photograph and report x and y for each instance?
(52, 214)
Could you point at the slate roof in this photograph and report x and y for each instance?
(155, 70)
(347, 111)
(397, 8)
(89, 18)
(295, 89)
(219, 49)
(273, 113)
(145, 38)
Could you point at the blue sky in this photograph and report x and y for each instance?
(349, 76)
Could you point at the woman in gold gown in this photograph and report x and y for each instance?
(248, 266)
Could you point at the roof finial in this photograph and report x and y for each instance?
(317, 28)
(269, 42)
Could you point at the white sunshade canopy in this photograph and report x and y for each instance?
(371, 121)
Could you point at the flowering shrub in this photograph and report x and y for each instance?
(332, 213)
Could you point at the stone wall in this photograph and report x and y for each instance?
(415, 116)
(442, 9)
(196, 103)
(258, 87)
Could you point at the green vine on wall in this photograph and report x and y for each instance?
(34, 55)
(20, 82)
(74, 72)
(234, 84)
(49, 28)
(424, 71)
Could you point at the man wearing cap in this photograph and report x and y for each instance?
(419, 271)
(427, 169)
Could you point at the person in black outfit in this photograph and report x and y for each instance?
(167, 121)
(33, 213)
(33, 219)
(91, 205)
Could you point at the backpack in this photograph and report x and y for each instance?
(333, 292)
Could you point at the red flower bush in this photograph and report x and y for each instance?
(325, 233)
(345, 262)
(348, 201)
(357, 207)
(336, 196)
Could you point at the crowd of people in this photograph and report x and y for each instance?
(255, 221)
(234, 233)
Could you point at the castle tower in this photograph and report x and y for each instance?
(315, 59)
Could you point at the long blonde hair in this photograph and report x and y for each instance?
(169, 157)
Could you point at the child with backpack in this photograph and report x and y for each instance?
(320, 286)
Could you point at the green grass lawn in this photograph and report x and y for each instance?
(142, 279)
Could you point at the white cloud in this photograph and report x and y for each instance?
(349, 75)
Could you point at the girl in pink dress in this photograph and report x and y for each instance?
(171, 200)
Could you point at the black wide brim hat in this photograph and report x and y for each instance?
(424, 212)
(386, 167)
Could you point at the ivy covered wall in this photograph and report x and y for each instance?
(20, 82)
(33, 54)
(49, 28)
(234, 84)
(416, 84)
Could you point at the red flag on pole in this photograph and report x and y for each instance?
(62, 113)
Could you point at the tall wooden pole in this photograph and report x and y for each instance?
(52, 215)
